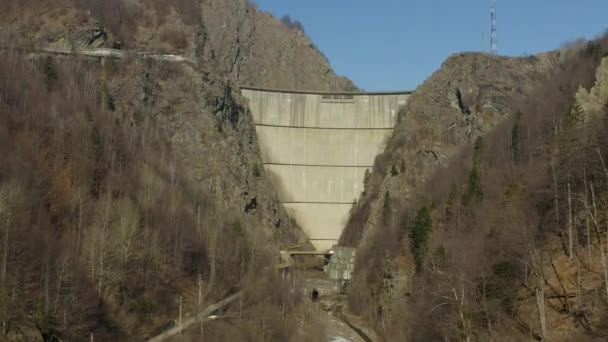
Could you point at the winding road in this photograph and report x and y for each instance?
(104, 53)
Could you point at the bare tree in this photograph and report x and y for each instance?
(595, 219)
(604, 261)
(62, 269)
(539, 291)
(125, 226)
(100, 241)
(465, 323)
(570, 235)
(587, 226)
(11, 197)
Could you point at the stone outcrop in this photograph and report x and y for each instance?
(258, 50)
(469, 95)
(229, 38)
(211, 130)
(194, 108)
(199, 105)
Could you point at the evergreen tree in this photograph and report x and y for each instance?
(450, 204)
(110, 103)
(474, 188)
(50, 72)
(576, 115)
(420, 234)
(515, 137)
(477, 150)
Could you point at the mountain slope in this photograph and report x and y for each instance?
(125, 181)
(506, 240)
(231, 38)
(468, 96)
(261, 51)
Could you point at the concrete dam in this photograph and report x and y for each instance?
(316, 147)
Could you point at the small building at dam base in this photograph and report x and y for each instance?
(316, 148)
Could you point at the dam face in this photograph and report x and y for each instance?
(316, 147)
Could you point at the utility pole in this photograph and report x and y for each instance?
(181, 301)
(493, 34)
(200, 290)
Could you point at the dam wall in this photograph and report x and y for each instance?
(316, 147)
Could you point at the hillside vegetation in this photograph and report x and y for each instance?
(231, 38)
(507, 239)
(102, 228)
(128, 186)
(467, 97)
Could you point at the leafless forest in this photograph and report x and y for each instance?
(508, 241)
(101, 229)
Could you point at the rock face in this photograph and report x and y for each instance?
(258, 50)
(211, 130)
(199, 105)
(465, 98)
(230, 38)
(209, 143)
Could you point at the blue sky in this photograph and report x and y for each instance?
(396, 44)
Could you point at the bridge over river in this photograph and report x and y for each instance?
(316, 147)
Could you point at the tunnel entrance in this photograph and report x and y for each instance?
(314, 295)
(326, 259)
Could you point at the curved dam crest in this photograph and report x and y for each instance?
(316, 147)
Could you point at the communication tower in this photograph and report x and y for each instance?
(493, 34)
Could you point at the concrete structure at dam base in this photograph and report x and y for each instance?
(316, 147)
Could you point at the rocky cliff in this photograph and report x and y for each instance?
(261, 51)
(232, 43)
(161, 160)
(489, 240)
(230, 38)
(468, 96)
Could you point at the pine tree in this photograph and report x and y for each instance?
(420, 234)
(515, 137)
(474, 188)
(50, 72)
(576, 115)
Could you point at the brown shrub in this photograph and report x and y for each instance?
(175, 38)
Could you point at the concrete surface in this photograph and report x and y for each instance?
(316, 147)
(322, 222)
(341, 264)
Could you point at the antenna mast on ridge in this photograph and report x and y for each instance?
(493, 34)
